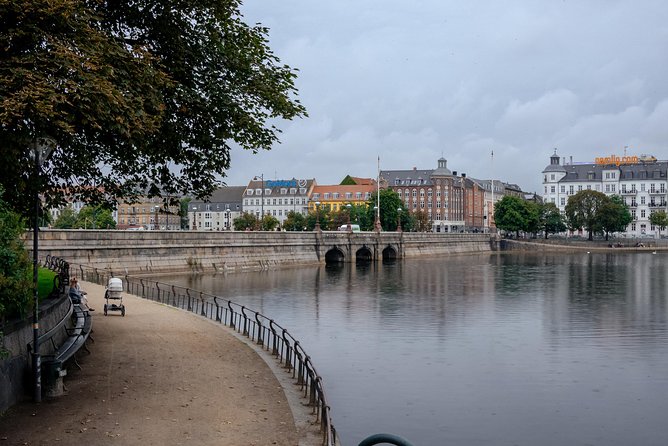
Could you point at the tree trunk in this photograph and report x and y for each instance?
(591, 235)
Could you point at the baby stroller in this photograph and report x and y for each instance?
(113, 292)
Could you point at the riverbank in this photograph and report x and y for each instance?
(160, 376)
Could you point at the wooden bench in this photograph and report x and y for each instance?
(78, 332)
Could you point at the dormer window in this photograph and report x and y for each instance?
(249, 191)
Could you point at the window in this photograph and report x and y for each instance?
(612, 187)
(316, 196)
(284, 191)
(552, 189)
(563, 189)
(571, 189)
(349, 195)
(414, 193)
(579, 187)
(563, 201)
(258, 191)
(326, 196)
(642, 200)
(293, 191)
(267, 191)
(552, 177)
(249, 191)
(642, 213)
(358, 195)
(642, 187)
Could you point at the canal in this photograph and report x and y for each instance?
(494, 349)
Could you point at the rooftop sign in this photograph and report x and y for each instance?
(617, 160)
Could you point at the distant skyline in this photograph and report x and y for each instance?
(413, 81)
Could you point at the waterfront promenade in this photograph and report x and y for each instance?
(160, 376)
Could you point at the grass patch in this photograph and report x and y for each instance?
(45, 282)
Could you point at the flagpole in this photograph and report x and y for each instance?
(378, 196)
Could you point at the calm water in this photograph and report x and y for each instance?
(480, 350)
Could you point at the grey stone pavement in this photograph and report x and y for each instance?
(162, 376)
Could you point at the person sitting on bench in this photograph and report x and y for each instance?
(78, 296)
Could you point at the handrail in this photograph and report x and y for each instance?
(273, 338)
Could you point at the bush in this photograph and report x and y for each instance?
(15, 266)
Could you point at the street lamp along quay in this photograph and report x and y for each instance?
(317, 216)
(398, 219)
(41, 149)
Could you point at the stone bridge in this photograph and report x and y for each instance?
(164, 251)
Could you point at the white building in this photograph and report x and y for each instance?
(277, 197)
(641, 181)
(217, 213)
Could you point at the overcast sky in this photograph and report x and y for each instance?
(413, 81)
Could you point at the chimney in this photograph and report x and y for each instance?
(571, 160)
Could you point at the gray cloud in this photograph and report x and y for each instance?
(411, 81)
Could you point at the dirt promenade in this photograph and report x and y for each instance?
(158, 376)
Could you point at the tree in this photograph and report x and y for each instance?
(582, 211)
(246, 222)
(510, 214)
(294, 222)
(420, 222)
(551, 219)
(183, 211)
(15, 267)
(269, 223)
(532, 222)
(389, 203)
(614, 215)
(66, 220)
(659, 219)
(95, 217)
(143, 97)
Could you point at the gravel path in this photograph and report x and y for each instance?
(159, 376)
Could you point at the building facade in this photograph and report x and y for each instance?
(149, 214)
(336, 197)
(218, 212)
(642, 183)
(452, 202)
(277, 197)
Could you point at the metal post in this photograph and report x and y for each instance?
(317, 216)
(36, 359)
(398, 219)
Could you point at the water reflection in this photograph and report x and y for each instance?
(485, 349)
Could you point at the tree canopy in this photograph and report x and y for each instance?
(142, 97)
(659, 219)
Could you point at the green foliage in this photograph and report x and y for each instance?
(294, 222)
(269, 223)
(95, 217)
(129, 89)
(509, 214)
(183, 211)
(66, 220)
(583, 211)
(659, 219)
(614, 215)
(389, 205)
(246, 222)
(323, 217)
(551, 219)
(15, 266)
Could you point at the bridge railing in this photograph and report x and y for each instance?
(262, 330)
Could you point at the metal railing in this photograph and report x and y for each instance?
(263, 331)
(62, 270)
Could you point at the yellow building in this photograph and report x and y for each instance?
(336, 197)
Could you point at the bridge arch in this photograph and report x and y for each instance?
(390, 254)
(363, 255)
(334, 255)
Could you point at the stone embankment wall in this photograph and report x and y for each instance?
(165, 251)
(16, 371)
(577, 245)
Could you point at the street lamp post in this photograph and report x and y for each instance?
(156, 224)
(398, 219)
(349, 227)
(194, 218)
(41, 150)
(377, 222)
(317, 216)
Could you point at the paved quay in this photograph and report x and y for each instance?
(160, 376)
